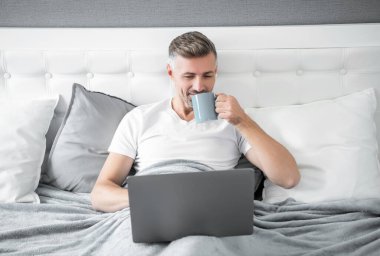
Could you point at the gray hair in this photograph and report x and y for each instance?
(191, 45)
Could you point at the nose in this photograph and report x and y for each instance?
(198, 85)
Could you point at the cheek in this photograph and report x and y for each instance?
(210, 83)
(182, 86)
(185, 86)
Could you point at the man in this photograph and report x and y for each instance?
(167, 130)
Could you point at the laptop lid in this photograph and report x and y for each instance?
(166, 207)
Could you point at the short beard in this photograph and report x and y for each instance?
(189, 103)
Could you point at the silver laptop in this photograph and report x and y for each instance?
(166, 207)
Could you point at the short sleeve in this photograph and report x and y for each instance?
(243, 144)
(125, 139)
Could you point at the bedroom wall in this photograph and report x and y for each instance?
(155, 13)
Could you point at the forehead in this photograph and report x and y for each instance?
(195, 65)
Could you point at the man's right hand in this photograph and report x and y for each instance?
(107, 194)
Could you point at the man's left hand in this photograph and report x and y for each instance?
(228, 108)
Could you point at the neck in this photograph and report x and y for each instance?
(182, 111)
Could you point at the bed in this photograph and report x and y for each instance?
(314, 88)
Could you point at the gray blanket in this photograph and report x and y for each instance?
(65, 224)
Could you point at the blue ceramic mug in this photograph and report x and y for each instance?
(204, 107)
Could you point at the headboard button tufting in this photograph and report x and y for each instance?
(256, 73)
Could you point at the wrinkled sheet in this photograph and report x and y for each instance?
(65, 224)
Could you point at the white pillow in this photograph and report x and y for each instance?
(23, 125)
(334, 144)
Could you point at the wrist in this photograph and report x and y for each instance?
(248, 126)
(245, 122)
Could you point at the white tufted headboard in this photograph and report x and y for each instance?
(261, 66)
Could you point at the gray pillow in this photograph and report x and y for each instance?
(80, 147)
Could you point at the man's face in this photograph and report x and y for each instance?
(192, 76)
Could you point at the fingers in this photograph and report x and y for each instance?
(224, 98)
(228, 108)
(220, 103)
(221, 108)
(220, 97)
(223, 102)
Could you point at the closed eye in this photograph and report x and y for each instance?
(205, 75)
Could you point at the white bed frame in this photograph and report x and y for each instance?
(261, 66)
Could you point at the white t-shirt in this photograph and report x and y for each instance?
(154, 133)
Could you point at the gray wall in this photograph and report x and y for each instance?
(165, 13)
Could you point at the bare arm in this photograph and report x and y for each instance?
(266, 153)
(107, 194)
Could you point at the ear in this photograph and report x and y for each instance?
(169, 70)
